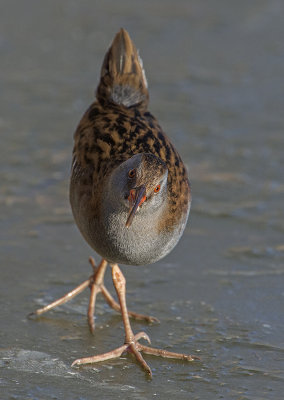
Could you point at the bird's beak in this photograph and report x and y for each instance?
(136, 198)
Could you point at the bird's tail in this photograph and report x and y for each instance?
(123, 78)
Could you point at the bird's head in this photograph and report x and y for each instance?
(139, 184)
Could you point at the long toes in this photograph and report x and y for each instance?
(167, 354)
(134, 349)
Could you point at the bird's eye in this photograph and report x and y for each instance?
(132, 173)
(157, 188)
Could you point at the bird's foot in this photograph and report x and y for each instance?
(96, 285)
(131, 341)
(133, 346)
(136, 348)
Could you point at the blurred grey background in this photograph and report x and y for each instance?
(215, 70)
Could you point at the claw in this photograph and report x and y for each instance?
(76, 362)
(142, 335)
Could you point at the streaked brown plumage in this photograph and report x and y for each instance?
(109, 135)
(116, 133)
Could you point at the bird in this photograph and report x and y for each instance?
(129, 191)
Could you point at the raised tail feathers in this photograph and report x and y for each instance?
(123, 80)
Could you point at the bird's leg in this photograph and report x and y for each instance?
(96, 285)
(130, 338)
(133, 345)
(131, 341)
(115, 305)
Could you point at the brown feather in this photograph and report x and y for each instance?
(110, 133)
